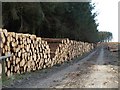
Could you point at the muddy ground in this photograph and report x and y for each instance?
(98, 69)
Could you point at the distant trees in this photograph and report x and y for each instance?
(53, 19)
(105, 36)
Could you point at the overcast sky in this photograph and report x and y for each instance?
(108, 16)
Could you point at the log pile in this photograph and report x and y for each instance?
(113, 46)
(0, 44)
(29, 52)
(62, 50)
(32, 53)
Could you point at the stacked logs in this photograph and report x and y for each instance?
(62, 50)
(30, 53)
(113, 46)
(57, 50)
(0, 55)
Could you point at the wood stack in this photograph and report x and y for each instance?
(0, 52)
(29, 52)
(56, 51)
(32, 53)
(62, 50)
(1, 42)
(113, 46)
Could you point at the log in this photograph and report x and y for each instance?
(53, 40)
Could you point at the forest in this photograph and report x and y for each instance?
(73, 20)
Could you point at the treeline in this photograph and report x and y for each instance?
(73, 20)
(105, 36)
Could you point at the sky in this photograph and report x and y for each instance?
(107, 16)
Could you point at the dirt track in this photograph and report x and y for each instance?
(98, 70)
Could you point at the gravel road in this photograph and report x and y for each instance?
(97, 70)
